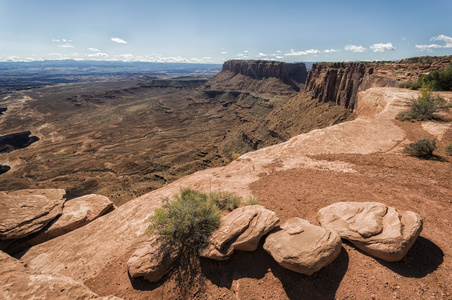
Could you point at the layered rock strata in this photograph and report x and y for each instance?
(27, 211)
(341, 82)
(375, 228)
(259, 69)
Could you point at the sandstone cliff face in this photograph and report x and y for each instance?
(341, 82)
(264, 69)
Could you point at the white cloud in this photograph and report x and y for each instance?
(260, 54)
(127, 56)
(224, 52)
(330, 50)
(382, 47)
(67, 45)
(93, 49)
(446, 39)
(305, 52)
(118, 40)
(98, 54)
(355, 48)
(246, 51)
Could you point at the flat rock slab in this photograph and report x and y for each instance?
(152, 260)
(375, 228)
(17, 281)
(241, 229)
(24, 212)
(76, 213)
(302, 247)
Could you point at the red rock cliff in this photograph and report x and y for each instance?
(264, 69)
(341, 82)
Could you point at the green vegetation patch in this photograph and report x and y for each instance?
(422, 148)
(424, 107)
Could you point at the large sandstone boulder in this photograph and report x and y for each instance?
(303, 247)
(153, 259)
(17, 281)
(375, 228)
(24, 212)
(76, 213)
(239, 230)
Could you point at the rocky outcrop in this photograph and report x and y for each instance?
(152, 260)
(13, 141)
(2, 110)
(17, 281)
(76, 213)
(302, 247)
(259, 69)
(240, 230)
(27, 211)
(375, 228)
(341, 82)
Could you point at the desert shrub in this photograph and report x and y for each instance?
(225, 200)
(439, 80)
(251, 201)
(448, 149)
(187, 221)
(422, 148)
(423, 108)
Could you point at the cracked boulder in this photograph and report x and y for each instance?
(241, 229)
(27, 211)
(302, 247)
(376, 229)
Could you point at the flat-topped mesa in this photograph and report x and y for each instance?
(340, 82)
(259, 69)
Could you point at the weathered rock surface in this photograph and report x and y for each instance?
(120, 232)
(76, 213)
(375, 228)
(24, 212)
(241, 229)
(303, 247)
(341, 82)
(265, 68)
(17, 281)
(152, 260)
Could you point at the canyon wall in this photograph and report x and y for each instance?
(263, 69)
(341, 82)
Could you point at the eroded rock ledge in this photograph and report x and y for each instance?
(263, 69)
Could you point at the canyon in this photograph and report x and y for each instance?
(302, 145)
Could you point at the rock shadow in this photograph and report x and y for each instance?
(321, 285)
(142, 284)
(4, 169)
(423, 258)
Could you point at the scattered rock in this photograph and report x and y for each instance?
(303, 247)
(77, 212)
(240, 230)
(17, 281)
(24, 212)
(152, 260)
(375, 228)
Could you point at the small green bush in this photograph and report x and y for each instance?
(187, 221)
(251, 201)
(448, 149)
(439, 80)
(422, 148)
(423, 108)
(225, 200)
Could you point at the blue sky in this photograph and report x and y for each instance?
(215, 31)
